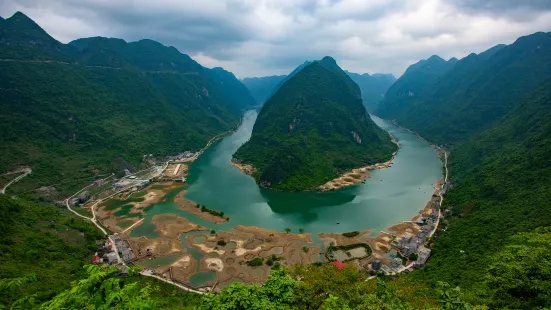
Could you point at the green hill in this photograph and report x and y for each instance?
(477, 91)
(503, 178)
(97, 105)
(373, 87)
(261, 87)
(312, 129)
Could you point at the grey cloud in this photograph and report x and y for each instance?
(189, 32)
(266, 37)
(519, 10)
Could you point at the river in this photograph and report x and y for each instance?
(389, 196)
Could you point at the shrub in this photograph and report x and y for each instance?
(351, 234)
(255, 262)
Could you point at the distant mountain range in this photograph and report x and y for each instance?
(373, 87)
(96, 105)
(261, 87)
(448, 101)
(312, 129)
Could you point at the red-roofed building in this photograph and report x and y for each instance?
(95, 259)
(338, 264)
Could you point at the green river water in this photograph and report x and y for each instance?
(389, 196)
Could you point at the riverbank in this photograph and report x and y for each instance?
(358, 175)
(245, 168)
(191, 207)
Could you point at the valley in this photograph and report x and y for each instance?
(139, 175)
(176, 229)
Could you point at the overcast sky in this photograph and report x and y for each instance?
(264, 37)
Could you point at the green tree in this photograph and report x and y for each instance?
(8, 286)
(103, 289)
(276, 293)
(287, 230)
(450, 298)
(520, 276)
(301, 230)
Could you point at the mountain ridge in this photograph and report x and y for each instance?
(106, 104)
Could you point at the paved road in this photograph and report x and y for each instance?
(441, 196)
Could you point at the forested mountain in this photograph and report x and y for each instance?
(290, 75)
(415, 83)
(77, 110)
(261, 87)
(313, 128)
(373, 87)
(477, 91)
(503, 181)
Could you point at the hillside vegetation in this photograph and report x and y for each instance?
(503, 181)
(474, 93)
(97, 105)
(313, 128)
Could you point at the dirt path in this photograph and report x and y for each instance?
(26, 171)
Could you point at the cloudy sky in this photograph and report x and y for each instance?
(267, 37)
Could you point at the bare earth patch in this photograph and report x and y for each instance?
(191, 207)
(172, 226)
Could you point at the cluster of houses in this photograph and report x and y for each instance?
(413, 245)
(181, 156)
(82, 198)
(106, 251)
(124, 248)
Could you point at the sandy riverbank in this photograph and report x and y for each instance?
(191, 207)
(358, 175)
(245, 168)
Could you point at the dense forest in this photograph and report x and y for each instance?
(97, 105)
(448, 103)
(503, 182)
(313, 128)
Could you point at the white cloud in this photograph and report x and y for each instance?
(266, 37)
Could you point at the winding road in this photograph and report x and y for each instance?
(26, 171)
